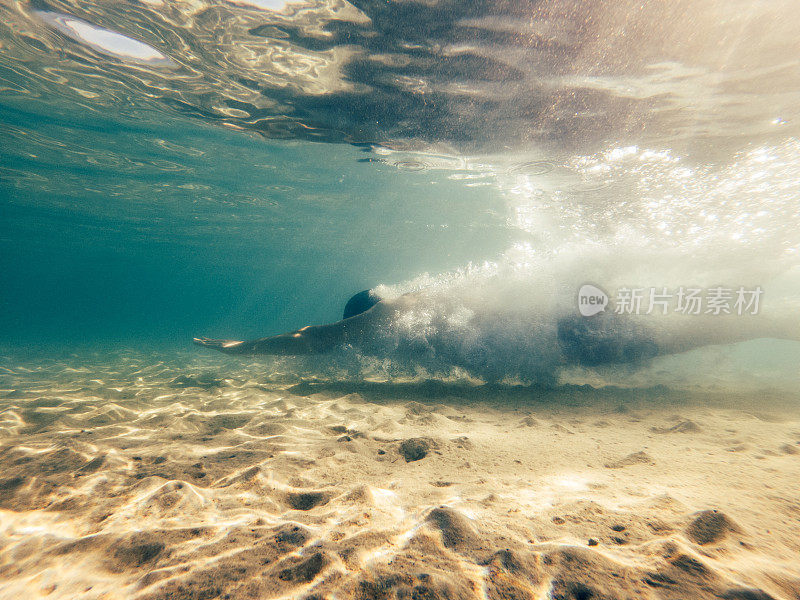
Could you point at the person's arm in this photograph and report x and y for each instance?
(315, 339)
(312, 339)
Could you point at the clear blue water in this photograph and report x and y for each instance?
(240, 169)
(157, 232)
(493, 171)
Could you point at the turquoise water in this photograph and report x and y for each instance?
(237, 170)
(118, 229)
(579, 223)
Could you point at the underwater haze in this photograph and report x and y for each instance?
(581, 219)
(241, 169)
(158, 228)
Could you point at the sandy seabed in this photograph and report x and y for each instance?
(129, 476)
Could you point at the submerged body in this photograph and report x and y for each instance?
(604, 339)
(362, 314)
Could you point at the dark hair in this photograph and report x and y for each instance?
(360, 303)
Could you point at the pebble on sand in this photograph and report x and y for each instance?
(415, 449)
(710, 526)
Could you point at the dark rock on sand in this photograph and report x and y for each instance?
(709, 526)
(415, 449)
(619, 540)
(291, 536)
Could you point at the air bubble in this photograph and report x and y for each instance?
(411, 165)
(536, 167)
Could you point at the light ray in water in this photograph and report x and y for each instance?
(503, 424)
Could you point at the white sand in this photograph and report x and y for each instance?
(116, 483)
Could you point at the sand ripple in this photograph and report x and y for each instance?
(143, 476)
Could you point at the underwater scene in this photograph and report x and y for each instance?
(400, 299)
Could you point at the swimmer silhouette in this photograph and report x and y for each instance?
(362, 313)
(593, 341)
